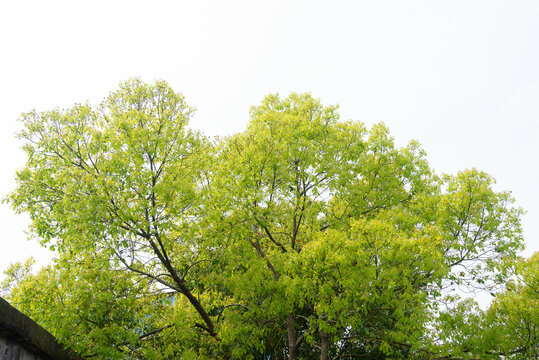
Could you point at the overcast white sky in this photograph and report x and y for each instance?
(462, 77)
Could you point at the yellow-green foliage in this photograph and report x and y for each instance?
(303, 234)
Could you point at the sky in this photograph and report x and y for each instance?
(461, 77)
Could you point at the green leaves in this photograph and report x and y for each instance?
(301, 235)
(86, 304)
(481, 229)
(507, 328)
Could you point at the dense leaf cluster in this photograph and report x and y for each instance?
(303, 237)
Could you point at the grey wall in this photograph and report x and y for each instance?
(10, 350)
(22, 339)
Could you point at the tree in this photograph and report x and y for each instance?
(15, 275)
(302, 237)
(121, 181)
(508, 328)
(333, 216)
(92, 308)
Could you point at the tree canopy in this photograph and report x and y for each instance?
(303, 237)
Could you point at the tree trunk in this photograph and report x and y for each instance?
(292, 350)
(324, 346)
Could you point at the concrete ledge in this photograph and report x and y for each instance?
(20, 329)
